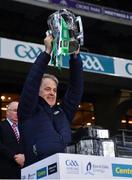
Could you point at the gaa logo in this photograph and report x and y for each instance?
(128, 68)
(27, 51)
(91, 63)
(72, 163)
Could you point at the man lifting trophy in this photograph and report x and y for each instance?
(45, 126)
(67, 31)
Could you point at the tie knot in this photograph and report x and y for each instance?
(14, 124)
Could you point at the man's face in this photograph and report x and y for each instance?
(48, 91)
(12, 112)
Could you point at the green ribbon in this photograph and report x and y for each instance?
(60, 45)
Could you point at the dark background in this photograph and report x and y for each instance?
(27, 22)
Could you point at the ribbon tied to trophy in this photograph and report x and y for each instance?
(67, 32)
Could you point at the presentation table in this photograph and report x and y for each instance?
(63, 166)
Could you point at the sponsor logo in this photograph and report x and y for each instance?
(23, 177)
(52, 168)
(42, 173)
(94, 169)
(72, 166)
(122, 170)
(89, 169)
(28, 51)
(31, 176)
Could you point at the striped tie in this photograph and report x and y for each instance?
(14, 127)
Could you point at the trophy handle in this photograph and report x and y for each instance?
(80, 33)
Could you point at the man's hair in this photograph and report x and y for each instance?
(50, 76)
(9, 106)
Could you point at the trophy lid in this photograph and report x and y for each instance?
(54, 20)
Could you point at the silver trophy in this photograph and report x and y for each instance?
(67, 31)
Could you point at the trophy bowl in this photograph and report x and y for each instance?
(67, 30)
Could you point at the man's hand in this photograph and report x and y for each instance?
(48, 43)
(20, 159)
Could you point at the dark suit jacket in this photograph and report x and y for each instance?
(9, 146)
(45, 130)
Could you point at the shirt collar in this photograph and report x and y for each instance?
(10, 122)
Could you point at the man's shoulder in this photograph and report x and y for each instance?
(3, 121)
